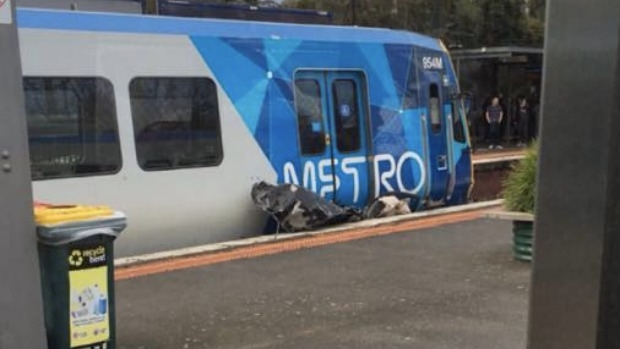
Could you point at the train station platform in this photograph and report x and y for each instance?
(446, 281)
(494, 156)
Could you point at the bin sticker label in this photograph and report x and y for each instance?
(5, 12)
(88, 280)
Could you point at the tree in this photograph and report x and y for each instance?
(503, 23)
(463, 28)
(459, 23)
(535, 32)
(455, 21)
(536, 9)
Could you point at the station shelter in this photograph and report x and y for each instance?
(507, 72)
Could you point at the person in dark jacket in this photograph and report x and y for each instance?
(523, 114)
(494, 115)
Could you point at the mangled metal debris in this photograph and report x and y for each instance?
(298, 209)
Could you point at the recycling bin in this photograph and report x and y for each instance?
(76, 259)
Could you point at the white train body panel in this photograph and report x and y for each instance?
(173, 208)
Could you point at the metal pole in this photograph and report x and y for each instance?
(575, 299)
(21, 308)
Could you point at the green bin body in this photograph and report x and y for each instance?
(523, 240)
(77, 279)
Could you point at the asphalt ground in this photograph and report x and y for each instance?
(451, 286)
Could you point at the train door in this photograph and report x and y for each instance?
(332, 122)
(439, 139)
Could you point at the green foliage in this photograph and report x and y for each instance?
(503, 22)
(463, 26)
(536, 9)
(535, 31)
(520, 186)
(461, 23)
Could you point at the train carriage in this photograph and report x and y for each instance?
(172, 120)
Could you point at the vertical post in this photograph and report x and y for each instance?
(353, 19)
(21, 309)
(575, 299)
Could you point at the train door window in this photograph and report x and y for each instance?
(347, 117)
(309, 116)
(72, 127)
(176, 123)
(434, 108)
(458, 118)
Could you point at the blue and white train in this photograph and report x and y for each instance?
(172, 120)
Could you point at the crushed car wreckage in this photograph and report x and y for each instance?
(296, 208)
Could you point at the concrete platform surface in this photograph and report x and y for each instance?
(455, 286)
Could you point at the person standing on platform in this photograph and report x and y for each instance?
(494, 115)
(523, 119)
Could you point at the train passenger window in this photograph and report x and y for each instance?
(72, 128)
(346, 115)
(458, 118)
(176, 123)
(309, 116)
(434, 108)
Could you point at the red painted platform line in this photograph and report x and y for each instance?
(290, 245)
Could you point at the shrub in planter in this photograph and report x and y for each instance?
(519, 198)
(519, 187)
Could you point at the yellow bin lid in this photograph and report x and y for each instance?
(55, 214)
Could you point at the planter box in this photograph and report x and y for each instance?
(522, 230)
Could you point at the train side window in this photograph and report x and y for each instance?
(458, 118)
(434, 108)
(72, 127)
(346, 115)
(176, 122)
(309, 116)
